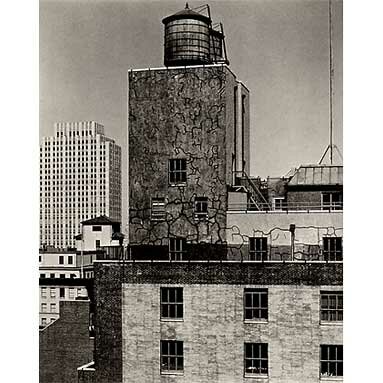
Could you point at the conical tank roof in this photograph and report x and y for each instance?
(186, 13)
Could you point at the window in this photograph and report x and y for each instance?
(172, 356)
(52, 320)
(42, 276)
(177, 248)
(200, 207)
(73, 276)
(171, 302)
(158, 209)
(71, 293)
(62, 292)
(331, 360)
(96, 228)
(258, 248)
(43, 321)
(43, 307)
(332, 201)
(62, 275)
(332, 249)
(278, 203)
(256, 304)
(43, 292)
(53, 307)
(177, 171)
(98, 243)
(61, 259)
(53, 292)
(70, 259)
(51, 275)
(331, 306)
(256, 358)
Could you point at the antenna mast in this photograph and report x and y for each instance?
(330, 147)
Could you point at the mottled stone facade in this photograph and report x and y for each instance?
(180, 113)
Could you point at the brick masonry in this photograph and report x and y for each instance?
(65, 344)
(128, 327)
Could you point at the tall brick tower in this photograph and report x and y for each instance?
(188, 139)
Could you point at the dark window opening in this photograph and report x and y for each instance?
(258, 249)
(172, 356)
(256, 304)
(171, 302)
(177, 171)
(62, 292)
(200, 207)
(331, 360)
(96, 228)
(177, 248)
(61, 259)
(332, 249)
(331, 306)
(256, 358)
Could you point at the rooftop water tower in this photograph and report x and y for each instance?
(191, 39)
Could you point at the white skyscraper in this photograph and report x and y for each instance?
(80, 178)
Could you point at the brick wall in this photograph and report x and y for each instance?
(65, 344)
(125, 311)
(214, 332)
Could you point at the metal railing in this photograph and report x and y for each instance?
(286, 207)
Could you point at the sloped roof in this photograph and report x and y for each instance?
(186, 13)
(318, 175)
(101, 220)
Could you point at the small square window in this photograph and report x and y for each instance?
(256, 304)
(332, 249)
(177, 171)
(171, 302)
(62, 276)
(258, 249)
(200, 207)
(158, 209)
(256, 359)
(331, 306)
(42, 275)
(96, 228)
(177, 248)
(51, 275)
(172, 356)
(331, 360)
(278, 203)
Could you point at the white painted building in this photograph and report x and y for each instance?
(80, 178)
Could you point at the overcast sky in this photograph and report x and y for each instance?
(279, 49)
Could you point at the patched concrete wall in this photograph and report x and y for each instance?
(310, 228)
(213, 331)
(180, 113)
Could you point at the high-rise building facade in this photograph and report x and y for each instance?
(80, 178)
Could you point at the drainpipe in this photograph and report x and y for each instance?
(292, 231)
